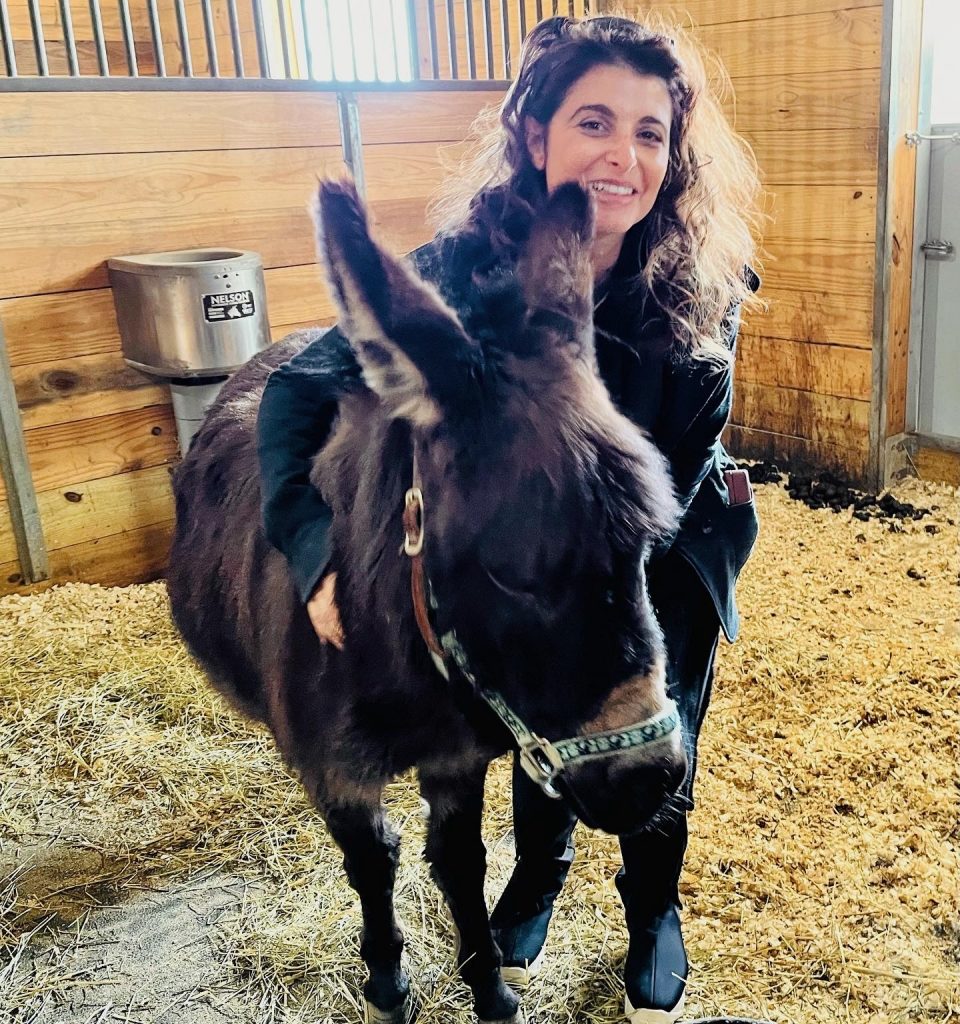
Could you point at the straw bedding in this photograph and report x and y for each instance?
(821, 882)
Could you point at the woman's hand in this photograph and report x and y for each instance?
(323, 613)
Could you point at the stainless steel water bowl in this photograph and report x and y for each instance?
(191, 312)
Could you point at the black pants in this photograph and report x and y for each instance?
(651, 861)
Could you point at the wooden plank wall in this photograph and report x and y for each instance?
(52, 25)
(51, 20)
(806, 77)
(87, 176)
(497, 68)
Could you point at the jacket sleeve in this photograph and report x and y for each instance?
(296, 414)
(694, 450)
(694, 453)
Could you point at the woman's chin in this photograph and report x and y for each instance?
(615, 223)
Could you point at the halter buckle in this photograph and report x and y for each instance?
(541, 761)
(413, 522)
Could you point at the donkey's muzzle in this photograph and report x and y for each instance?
(623, 794)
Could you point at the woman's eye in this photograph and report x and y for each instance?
(592, 125)
(649, 136)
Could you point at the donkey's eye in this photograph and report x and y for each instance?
(513, 588)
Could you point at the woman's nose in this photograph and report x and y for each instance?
(623, 153)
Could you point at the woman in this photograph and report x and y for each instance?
(608, 103)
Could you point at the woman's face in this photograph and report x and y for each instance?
(612, 135)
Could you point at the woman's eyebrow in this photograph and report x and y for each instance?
(602, 108)
(596, 108)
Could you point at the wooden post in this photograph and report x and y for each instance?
(21, 496)
(897, 166)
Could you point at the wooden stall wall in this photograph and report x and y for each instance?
(806, 78)
(86, 176)
(468, 34)
(51, 22)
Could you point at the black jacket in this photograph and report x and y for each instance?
(683, 404)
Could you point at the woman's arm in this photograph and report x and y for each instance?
(693, 453)
(296, 414)
(698, 411)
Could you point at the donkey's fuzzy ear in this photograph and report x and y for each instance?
(410, 345)
(555, 267)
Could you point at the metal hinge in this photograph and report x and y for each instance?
(937, 248)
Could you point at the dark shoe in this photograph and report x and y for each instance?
(523, 946)
(655, 973)
(521, 918)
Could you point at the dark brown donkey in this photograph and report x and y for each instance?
(535, 503)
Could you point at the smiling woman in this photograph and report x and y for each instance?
(612, 135)
(591, 106)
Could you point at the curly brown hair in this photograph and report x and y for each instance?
(699, 238)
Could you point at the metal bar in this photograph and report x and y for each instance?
(373, 43)
(395, 40)
(91, 83)
(156, 37)
(284, 41)
(452, 41)
(15, 469)
(487, 36)
(329, 24)
(235, 43)
(505, 36)
(69, 40)
(9, 56)
(101, 47)
(539, 10)
(39, 44)
(184, 35)
(432, 36)
(353, 42)
(262, 58)
(128, 42)
(412, 37)
(305, 28)
(350, 141)
(469, 40)
(210, 35)
(522, 8)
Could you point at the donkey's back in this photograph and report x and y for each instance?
(231, 594)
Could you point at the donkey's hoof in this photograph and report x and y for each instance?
(401, 1014)
(516, 1018)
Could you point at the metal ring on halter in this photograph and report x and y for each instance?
(413, 522)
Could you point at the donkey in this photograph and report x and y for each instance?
(517, 609)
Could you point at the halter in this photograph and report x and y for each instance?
(543, 760)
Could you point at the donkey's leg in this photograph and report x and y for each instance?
(458, 863)
(371, 847)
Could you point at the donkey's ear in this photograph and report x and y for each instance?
(411, 347)
(556, 272)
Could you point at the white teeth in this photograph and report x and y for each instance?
(608, 186)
